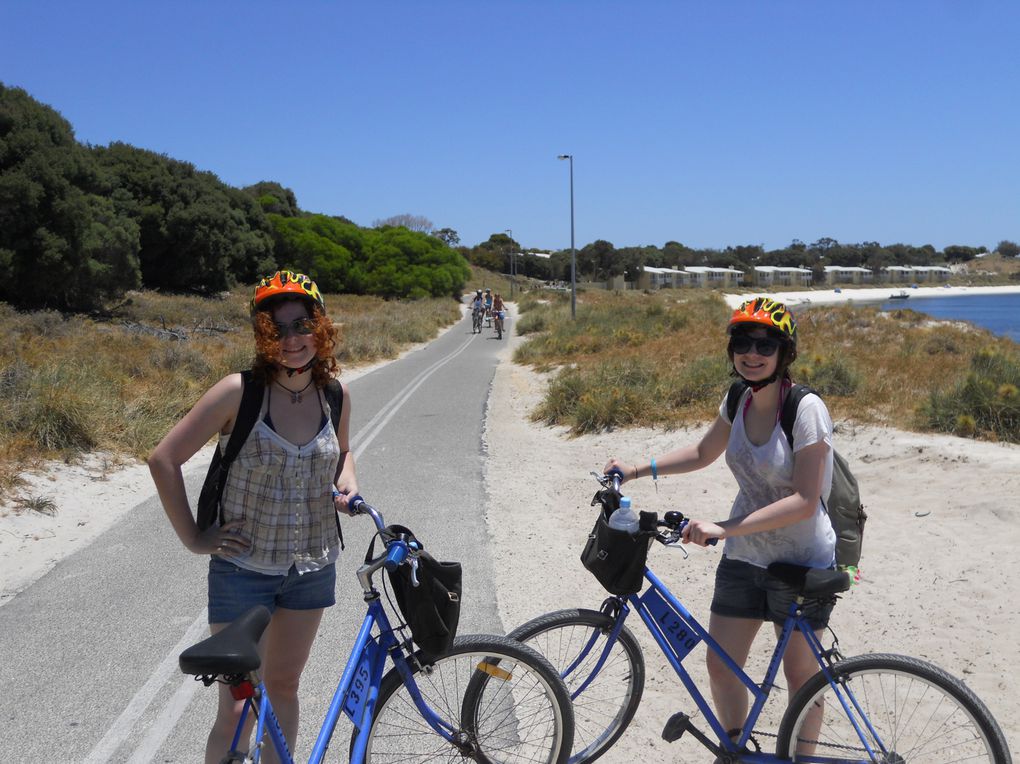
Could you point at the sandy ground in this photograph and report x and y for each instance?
(939, 563)
(873, 294)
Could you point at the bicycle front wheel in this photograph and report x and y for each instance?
(503, 700)
(905, 710)
(574, 641)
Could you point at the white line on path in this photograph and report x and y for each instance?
(164, 724)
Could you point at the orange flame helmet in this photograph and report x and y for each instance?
(286, 283)
(765, 312)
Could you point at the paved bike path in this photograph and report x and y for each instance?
(88, 652)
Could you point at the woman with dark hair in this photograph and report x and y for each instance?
(778, 514)
(279, 538)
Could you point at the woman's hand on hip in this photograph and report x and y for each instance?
(222, 539)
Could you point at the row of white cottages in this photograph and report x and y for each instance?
(771, 275)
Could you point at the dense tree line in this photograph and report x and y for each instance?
(80, 225)
(601, 260)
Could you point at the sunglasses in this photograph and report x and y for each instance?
(302, 326)
(763, 346)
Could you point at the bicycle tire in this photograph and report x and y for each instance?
(607, 705)
(525, 717)
(918, 710)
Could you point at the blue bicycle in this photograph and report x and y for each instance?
(890, 709)
(487, 699)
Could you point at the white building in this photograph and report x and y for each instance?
(768, 275)
(845, 274)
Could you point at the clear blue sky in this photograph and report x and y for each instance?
(711, 123)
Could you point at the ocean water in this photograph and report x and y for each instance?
(999, 313)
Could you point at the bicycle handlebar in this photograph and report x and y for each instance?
(674, 521)
(398, 551)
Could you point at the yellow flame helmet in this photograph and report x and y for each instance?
(767, 313)
(284, 284)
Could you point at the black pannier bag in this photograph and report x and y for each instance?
(617, 558)
(431, 609)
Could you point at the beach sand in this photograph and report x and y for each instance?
(853, 294)
(939, 555)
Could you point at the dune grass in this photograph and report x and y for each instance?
(73, 384)
(635, 359)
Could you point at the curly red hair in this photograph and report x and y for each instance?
(267, 344)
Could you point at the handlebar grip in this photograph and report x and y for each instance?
(616, 471)
(395, 556)
(355, 502)
(711, 542)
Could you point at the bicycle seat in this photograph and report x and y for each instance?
(231, 651)
(810, 582)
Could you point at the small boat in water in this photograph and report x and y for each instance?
(901, 295)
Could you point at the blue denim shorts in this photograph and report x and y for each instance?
(743, 590)
(233, 590)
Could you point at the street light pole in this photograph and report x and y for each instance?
(513, 261)
(573, 253)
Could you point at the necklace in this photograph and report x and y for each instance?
(295, 395)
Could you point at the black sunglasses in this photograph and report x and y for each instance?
(297, 326)
(763, 346)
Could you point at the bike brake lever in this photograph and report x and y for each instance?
(414, 571)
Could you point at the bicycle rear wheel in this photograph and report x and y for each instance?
(607, 705)
(907, 710)
(504, 700)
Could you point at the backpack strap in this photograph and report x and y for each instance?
(334, 393)
(335, 398)
(247, 414)
(252, 391)
(790, 405)
(733, 398)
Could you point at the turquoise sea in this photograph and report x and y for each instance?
(999, 313)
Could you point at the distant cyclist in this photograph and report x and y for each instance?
(477, 311)
(488, 303)
(497, 311)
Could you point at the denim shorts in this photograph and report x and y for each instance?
(743, 590)
(233, 590)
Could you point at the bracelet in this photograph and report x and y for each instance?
(655, 471)
(635, 472)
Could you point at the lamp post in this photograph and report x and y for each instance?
(573, 253)
(513, 262)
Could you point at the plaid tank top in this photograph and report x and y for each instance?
(284, 495)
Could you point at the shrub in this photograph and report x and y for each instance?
(829, 376)
(986, 403)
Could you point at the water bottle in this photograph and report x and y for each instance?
(625, 518)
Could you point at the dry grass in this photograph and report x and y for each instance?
(659, 359)
(76, 384)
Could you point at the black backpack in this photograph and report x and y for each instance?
(846, 513)
(209, 508)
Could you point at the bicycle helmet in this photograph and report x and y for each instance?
(778, 321)
(763, 311)
(286, 283)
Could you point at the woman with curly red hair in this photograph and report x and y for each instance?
(278, 538)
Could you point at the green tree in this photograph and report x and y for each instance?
(274, 199)
(65, 241)
(448, 236)
(1008, 248)
(958, 253)
(197, 233)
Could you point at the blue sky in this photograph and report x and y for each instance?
(711, 123)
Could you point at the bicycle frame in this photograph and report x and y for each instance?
(677, 632)
(355, 695)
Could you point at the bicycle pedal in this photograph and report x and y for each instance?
(677, 725)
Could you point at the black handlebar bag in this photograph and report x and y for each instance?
(617, 558)
(431, 609)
